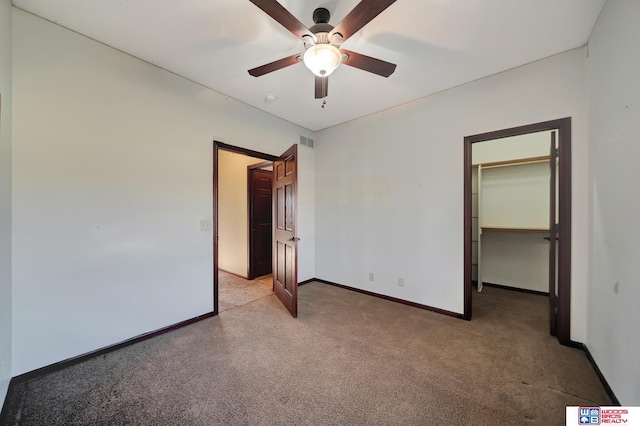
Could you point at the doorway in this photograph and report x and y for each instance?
(218, 148)
(285, 221)
(560, 291)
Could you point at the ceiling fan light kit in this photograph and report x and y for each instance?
(322, 42)
(322, 59)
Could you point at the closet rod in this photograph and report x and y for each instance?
(521, 162)
(525, 231)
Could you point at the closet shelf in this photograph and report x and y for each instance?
(525, 231)
(519, 162)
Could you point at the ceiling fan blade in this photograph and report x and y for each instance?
(364, 12)
(367, 63)
(322, 87)
(283, 17)
(275, 65)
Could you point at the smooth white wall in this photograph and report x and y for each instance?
(514, 260)
(389, 187)
(232, 211)
(112, 166)
(5, 197)
(613, 67)
(515, 196)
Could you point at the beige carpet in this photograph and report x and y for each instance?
(348, 359)
(234, 291)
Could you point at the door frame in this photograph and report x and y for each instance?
(250, 237)
(563, 126)
(218, 146)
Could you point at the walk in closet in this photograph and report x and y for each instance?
(510, 218)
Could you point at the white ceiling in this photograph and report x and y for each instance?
(437, 44)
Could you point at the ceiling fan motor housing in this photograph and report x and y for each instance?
(321, 15)
(321, 29)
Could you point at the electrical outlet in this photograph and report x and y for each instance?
(400, 282)
(205, 225)
(370, 276)
(616, 287)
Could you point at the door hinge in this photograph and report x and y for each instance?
(556, 227)
(556, 152)
(554, 301)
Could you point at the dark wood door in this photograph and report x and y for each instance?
(260, 226)
(553, 238)
(285, 243)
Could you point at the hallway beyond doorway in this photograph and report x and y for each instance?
(234, 291)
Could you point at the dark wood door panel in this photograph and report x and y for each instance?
(285, 277)
(260, 222)
(288, 208)
(280, 210)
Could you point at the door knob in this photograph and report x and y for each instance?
(294, 239)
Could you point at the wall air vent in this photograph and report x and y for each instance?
(306, 141)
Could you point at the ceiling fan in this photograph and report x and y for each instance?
(322, 42)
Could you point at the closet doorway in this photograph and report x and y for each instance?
(497, 209)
